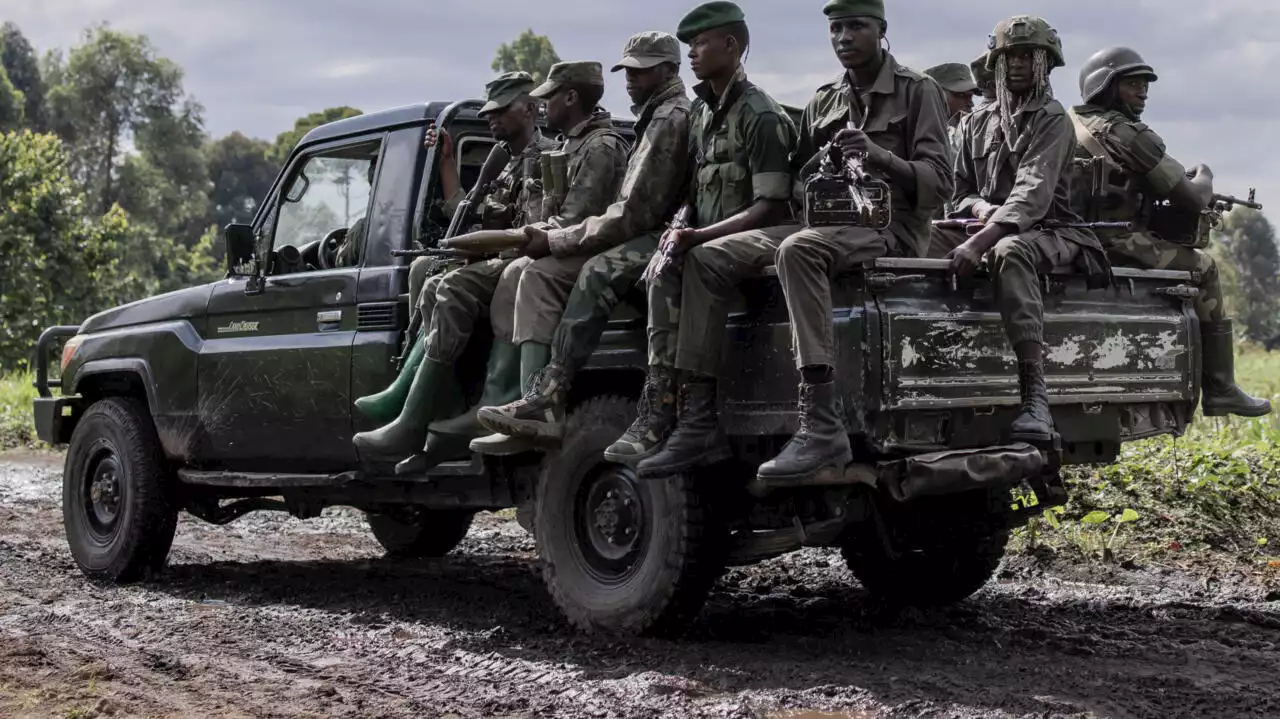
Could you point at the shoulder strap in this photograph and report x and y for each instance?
(718, 118)
(1086, 138)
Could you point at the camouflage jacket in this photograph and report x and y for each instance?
(597, 160)
(652, 188)
(906, 115)
(748, 158)
(515, 198)
(1149, 173)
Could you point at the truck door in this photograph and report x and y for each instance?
(275, 370)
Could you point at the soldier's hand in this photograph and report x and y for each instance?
(984, 210)
(964, 259)
(537, 242)
(852, 141)
(441, 136)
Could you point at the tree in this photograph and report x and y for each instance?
(1250, 241)
(11, 104)
(286, 141)
(529, 52)
(241, 174)
(18, 59)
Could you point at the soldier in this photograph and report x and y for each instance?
(957, 81)
(1013, 174)
(348, 254)
(1114, 85)
(565, 300)
(984, 79)
(595, 154)
(895, 120)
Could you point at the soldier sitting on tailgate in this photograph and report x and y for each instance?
(1124, 172)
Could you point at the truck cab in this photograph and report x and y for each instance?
(237, 396)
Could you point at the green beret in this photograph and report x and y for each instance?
(708, 16)
(854, 8)
(506, 89)
(567, 74)
(953, 77)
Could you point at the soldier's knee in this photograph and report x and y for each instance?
(1011, 250)
(798, 250)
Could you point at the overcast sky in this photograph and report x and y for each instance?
(256, 65)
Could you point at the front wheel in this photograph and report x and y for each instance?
(621, 555)
(939, 553)
(417, 533)
(116, 510)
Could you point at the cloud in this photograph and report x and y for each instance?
(256, 66)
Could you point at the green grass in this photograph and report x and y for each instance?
(16, 395)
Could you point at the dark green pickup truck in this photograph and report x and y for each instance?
(237, 396)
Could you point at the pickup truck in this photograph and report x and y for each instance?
(237, 396)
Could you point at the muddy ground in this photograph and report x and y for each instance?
(275, 617)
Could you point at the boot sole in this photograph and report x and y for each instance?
(631, 460)
(490, 450)
(836, 465)
(529, 429)
(1221, 412)
(706, 458)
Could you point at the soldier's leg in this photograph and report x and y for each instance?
(1220, 395)
(590, 296)
(942, 241)
(1016, 263)
(712, 273)
(807, 262)
(384, 406)
(462, 297)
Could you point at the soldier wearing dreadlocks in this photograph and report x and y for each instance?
(1013, 174)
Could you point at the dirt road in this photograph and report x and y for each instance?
(274, 617)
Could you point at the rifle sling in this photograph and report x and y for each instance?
(731, 97)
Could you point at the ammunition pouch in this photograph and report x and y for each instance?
(554, 167)
(834, 201)
(1101, 191)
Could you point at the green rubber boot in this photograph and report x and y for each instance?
(406, 434)
(501, 385)
(383, 406)
(534, 357)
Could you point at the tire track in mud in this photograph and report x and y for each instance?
(276, 617)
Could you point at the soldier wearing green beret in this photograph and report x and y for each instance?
(740, 180)
(1013, 174)
(565, 300)
(1114, 83)
(452, 303)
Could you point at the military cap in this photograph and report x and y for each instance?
(649, 49)
(953, 77)
(708, 16)
(1024, 31)
(854, 8)
(568, 74)
(981, 74)
(505, 89)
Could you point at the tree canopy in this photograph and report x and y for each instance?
(529, 52)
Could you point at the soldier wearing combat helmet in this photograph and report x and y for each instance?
(1114, 85)
(1013, 175)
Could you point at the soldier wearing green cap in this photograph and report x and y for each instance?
(740, 179)
(565, 300)
(959, 88)
(1013, 174)
(877, 108)
(1114, 83)
(983, 78)
(452, 303)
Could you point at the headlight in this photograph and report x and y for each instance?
(69, 351)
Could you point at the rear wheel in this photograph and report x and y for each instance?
(116, 510)
(941, 551)
(621, 555)
(418, 533)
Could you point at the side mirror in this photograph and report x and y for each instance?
(241, 249)
(298, 188)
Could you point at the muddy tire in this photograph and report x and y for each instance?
(418, 533)
(116, 505)
(621, 555)
(944, 553)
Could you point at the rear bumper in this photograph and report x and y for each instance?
(54, 423)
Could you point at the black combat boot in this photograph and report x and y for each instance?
(1219, 395)
(1034, 423)
(822, 440)
(698, 439)
(655, 416)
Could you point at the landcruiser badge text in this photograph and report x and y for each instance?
(238, 327)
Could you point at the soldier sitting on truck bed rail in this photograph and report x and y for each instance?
(564, 301)
(595, 156)
(1013, 174)
(1114, 84)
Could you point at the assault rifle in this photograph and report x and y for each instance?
(665, 256)
(847, 196)
(1194, 228)
(972, 225)
(1224, 203)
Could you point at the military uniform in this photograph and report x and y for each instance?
(565, 300)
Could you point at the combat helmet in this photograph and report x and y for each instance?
(1024, 31)
(1108, 65)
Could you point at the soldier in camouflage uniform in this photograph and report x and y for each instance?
(956, 81)
(1013, 174)
(565, 300)
(1114, 85)
(453, 302)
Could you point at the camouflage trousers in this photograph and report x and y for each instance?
(1152, 252)
(708, 279)
(567, 302)
(452, 302)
